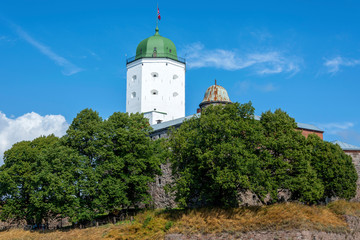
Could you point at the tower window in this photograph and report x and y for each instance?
(154, 74)
(170, 50)
(175, 94)
(154, 92)
(175, 76)
(133, 94)
(133, 78)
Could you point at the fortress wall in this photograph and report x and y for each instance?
(356, 160)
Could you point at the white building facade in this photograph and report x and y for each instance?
(156, 81)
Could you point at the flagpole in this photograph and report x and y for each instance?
(157, 18)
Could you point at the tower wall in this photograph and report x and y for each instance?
(159, 88)
(133, 85)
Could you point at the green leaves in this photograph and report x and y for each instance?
(210, 155)
(333, 167)
(99, 166)
(224, 151)
(122, 160)
(37, 180)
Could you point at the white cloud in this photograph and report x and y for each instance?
(6, 39)
(68, 67)
(271, 62)
(28, 127)
(335, 63)
(245, 86)
(343, 131)
(335, 127)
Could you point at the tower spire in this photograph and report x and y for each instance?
(157, 20)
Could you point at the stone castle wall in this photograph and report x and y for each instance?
(355, 155)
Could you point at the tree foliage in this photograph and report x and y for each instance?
(120, 161)
(99, 166)
(225, 150)
(37, 180)
(214, 155)
(334, 168)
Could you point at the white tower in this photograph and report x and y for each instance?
(156, 80)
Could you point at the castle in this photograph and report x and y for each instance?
(155, 86)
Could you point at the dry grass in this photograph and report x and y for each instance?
(343, 207)
(275, 217)
(155, 224)
(74, 234)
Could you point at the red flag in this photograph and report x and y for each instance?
(159, 17)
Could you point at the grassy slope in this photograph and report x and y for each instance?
(155, 224)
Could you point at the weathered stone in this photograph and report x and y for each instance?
(355, 155)
(162, 199)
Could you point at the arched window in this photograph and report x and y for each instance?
(154, 74)
(154, 92)
(133, 94)
(133, 78)
(175, 76)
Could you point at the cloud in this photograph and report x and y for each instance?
(351, 136)
(245, 86)
(271, 62)
(27, 127)
(335, 128)
(68, 67)
(261, 35)
(335, 63)
(343, 131)
(97, 57)
(6, 39)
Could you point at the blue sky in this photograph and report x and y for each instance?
(59, 57)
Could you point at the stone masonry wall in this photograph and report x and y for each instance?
(356, 160)
(162, 199)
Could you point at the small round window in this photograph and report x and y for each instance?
(133, 94)
(154, 92)
(175, 76)
(175, 94)
(154, 74)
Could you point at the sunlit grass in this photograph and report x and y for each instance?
(155, 224)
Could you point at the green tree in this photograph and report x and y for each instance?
(286, 158)
(37, 180)
(334, 168)
(128, 162)
(120, 161)
(225, 150)
(214, 156)
(85, 135)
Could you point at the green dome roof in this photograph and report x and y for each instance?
(156, 46)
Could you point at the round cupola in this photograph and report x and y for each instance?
(156, 46)
(215, 94)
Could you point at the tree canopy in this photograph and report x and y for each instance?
(225, 151)
(102, 166)
(99, 166)
(38, 180)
